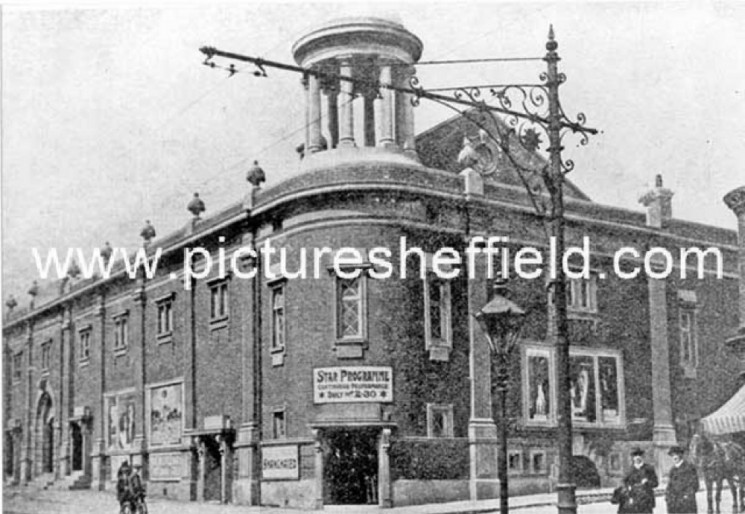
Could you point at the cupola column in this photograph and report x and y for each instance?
(332, 98)
(385, 131)
(405, 113)
(346, 111)
(315, 144)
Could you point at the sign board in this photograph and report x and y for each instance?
(280, 462)
(353, 384)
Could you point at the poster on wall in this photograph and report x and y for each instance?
(582, 387)
(121, 421)
(609, 389)
(166, 415)
(539, 386)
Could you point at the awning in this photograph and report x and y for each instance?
(729, 418)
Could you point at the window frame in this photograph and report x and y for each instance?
(601, 419)
(279, 414)
(440, 408)
(219, 310)
(164, 304)
(281, 313)
(46, 356)
(84, 344)
(691, 333)
(574, 289)
(121, 332)
(361, 302)
(17, 366)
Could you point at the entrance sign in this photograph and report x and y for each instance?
(353, 384)
(280, 462)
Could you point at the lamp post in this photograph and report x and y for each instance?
(501, 321)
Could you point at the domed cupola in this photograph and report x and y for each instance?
(348, 120)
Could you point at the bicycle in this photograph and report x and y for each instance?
(137, 506)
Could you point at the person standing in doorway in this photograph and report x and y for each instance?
(682, 484)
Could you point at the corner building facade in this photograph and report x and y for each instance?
(350, 388)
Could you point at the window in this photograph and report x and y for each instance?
(165, 316)
(219, 301)
(121, 332)
(582, 294)
(84, 338)
(350, 308)
(538, 462)
(46, 356)
(279, 427)
(439, 420)
(596, 386)
(278, 318)
(17, 366)
(514, 461)
(437, 317)
(688, 346)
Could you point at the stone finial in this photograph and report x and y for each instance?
(196, 206)
(107, 252)
(147, 233)
(73, 270)
(11, 303)
(658, 202)
(467, 156)
(34, 289)
(255, 175)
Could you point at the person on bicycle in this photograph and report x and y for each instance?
(123, 495)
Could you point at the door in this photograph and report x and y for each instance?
(350, 469)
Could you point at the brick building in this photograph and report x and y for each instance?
(256, 387)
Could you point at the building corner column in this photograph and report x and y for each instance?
(99, 457)
(659, 212)
(385, 493)
(735, 200)
(482, 430)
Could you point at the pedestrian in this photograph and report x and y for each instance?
(640, 483)
(681, 485)
(122, 485)
(136, 488)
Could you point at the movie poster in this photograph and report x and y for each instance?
(121, 421)
(539, 408)
(166, 414)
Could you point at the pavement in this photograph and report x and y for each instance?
(34, 500)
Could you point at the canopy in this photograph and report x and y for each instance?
(729, 418)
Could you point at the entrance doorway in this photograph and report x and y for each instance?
(212, 470)
(77, 447)
(350, 468)
(47, 447)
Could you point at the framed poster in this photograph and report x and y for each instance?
(165, 414)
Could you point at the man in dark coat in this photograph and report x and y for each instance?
(640, 483)
(682, 484)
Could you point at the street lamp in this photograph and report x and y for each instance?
(501, 321)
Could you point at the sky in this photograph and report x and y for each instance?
(109, 118)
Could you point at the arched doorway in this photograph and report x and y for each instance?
(45, 433)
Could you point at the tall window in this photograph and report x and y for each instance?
(582, 294)
(121, 332)
(278, 317)
(437, 317)
(688, 346)
(279, 426)
(219, 301)
(84, 338)
(46, 355)
(165, 316)
(350, 308)
(17, 366)
(439, 420)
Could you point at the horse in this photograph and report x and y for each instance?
(718, 461)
